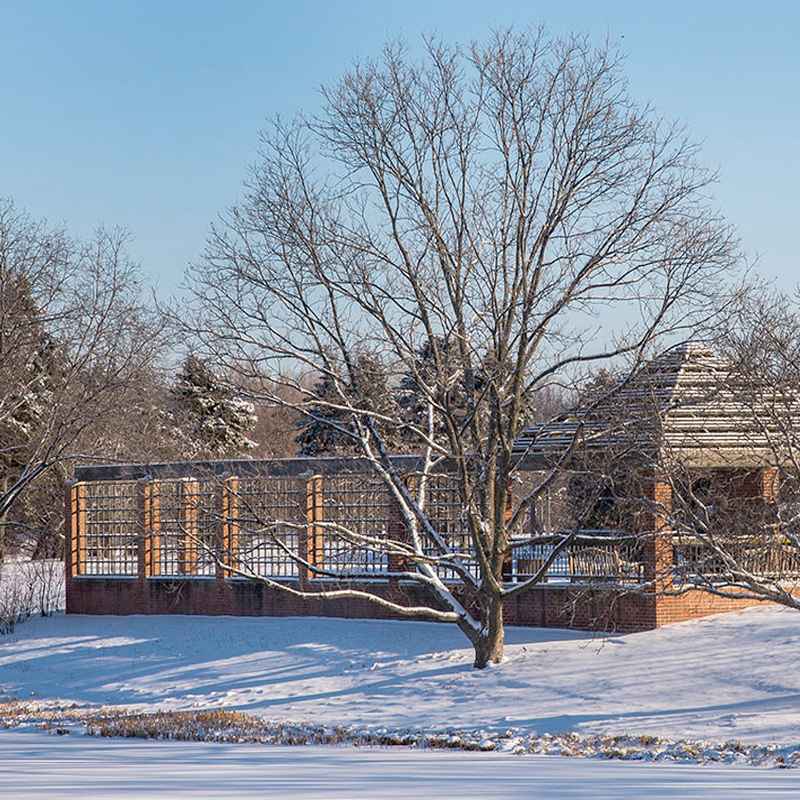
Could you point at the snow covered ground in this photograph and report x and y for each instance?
(39, 766)
(727, 678)
(732, 676)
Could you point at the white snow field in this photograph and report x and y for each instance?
(40, 766)
(728, 678)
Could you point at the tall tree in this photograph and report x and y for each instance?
(507, 207)
(738, 521)
(327, 426)
(75, 333)
(216, 417)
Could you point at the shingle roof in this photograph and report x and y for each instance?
(687, 404)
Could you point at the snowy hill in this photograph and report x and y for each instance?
(722, 679)
(730, 677)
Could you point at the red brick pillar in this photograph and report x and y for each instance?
(227, 503)
(770, 484)
(770, 492)
(144, 534)
(655, 523)
(657, 557)
(225, 540)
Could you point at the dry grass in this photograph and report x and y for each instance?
(223, 725)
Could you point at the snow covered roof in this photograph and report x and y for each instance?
(687, 404)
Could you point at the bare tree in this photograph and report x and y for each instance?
(507, 208)
(75, 335)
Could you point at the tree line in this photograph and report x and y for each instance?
(88, 373)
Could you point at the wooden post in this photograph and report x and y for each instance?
(219, 530)
(303, 502)
(142, 527)
(76, 529)
(70, 532)
(148, 510)
(226, 502)
(317, 545)
(153, 528)
(232, 519)
(189, 499)
(311, 540)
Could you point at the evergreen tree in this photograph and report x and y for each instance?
(326, 429)
(436, 378)
(76, 336)
(28, 376)
(217, 419)
(28, 361)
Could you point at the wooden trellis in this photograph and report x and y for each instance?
(286, 526)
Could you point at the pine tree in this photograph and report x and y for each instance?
(325, 429)
(436, 379)
(217, 419)
(28, 376)
(27, 367)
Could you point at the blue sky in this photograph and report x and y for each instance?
(145, 113)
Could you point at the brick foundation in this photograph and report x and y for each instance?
(543, 606)
(695, 604)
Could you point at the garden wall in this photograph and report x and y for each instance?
(543, 606)
(143, 539)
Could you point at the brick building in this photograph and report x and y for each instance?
(648, 461)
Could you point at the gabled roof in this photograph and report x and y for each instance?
(687, 404)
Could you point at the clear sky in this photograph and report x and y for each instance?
(145, 113)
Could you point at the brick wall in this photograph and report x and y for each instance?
(543, 606)
(547, 605)
(695, 604)
(744, 494)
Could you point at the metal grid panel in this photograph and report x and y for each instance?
(355, 511)
(556, 512)
(269, 519)
(184, 526)
(446, 514)
(526, 561)
(167, 535)
(267, 515)
(109, 545)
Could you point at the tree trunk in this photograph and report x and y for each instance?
(3, 518)
(489, 642)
